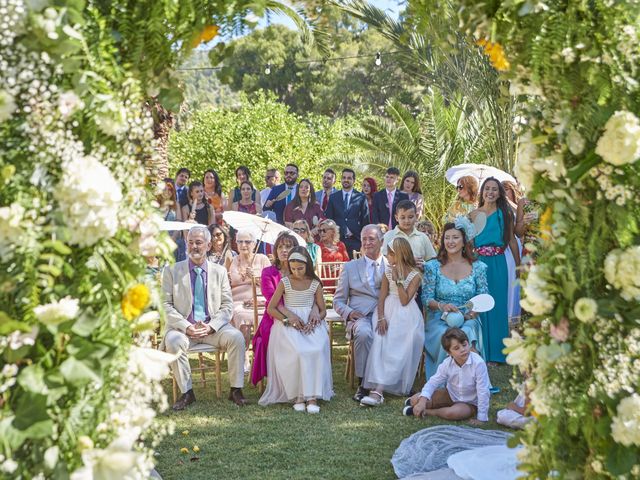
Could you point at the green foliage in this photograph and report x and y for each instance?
(318, 84)
(577, 64)
(261, 134)
(430, 51)
(441, 136)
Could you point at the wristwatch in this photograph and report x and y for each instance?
(285, 321)
(400, 282)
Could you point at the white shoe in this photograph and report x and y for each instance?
(299, 407)
(313, 408)
(372, 400)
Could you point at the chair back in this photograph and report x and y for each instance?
(329, 274)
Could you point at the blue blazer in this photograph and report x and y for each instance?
(381, 206)
(356, 217)
(277, 207)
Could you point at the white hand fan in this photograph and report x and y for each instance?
(480, 222)
(480, 303)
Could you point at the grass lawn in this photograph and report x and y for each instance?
(345, 441)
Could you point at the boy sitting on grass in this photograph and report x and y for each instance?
(467, 384)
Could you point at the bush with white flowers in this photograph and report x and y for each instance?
(79, 386)
(578, 155)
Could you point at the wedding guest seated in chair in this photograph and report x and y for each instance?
(198, 305)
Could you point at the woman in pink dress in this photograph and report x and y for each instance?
(246, 204)
(269, 281)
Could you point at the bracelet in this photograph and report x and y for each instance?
(380, 318)
(439, 306)
(285, 321)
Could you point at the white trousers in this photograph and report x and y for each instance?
(227, 338)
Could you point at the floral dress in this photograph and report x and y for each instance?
(436, 286)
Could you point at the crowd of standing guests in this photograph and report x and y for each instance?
(391, 279)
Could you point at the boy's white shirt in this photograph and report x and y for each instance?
(468, 383)
(420, 243)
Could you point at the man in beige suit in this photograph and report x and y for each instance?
(198, 304)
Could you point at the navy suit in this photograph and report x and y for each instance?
(278, 207)
(354, 218)
(183, 195)
(381, 206)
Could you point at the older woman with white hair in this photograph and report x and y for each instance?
(246, 266)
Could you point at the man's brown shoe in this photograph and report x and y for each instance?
(235, 395)
(186, 399)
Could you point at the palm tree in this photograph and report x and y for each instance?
(441, 136)
(431, 49)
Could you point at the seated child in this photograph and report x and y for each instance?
(514, 415)
(467, 384)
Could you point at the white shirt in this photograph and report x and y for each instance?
(377, 271)
(467, 384)
(421, 246)
(264, 194)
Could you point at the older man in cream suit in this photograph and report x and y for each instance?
(198, 304)
(357, 295)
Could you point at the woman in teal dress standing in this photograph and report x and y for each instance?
(450, 281)
(490, 245)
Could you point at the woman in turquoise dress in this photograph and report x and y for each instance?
(490, 245)
(450, 281)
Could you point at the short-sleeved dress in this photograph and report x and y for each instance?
(298, 365)
(436, 286)
(394, 357)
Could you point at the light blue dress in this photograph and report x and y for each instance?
(436, 286)
(495, 323)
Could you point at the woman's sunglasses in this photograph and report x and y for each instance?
(218, 234)
(459, 187)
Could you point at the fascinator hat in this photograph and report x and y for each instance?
(463, 223)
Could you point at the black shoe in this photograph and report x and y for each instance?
(360, 393)
(236, 396)
(407, 411)
(185, 400)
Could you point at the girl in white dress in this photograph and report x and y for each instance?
(399, 328)
(298, 357)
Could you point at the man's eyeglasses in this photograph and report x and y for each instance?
(459, 187)
(267, 177)
(299, 230)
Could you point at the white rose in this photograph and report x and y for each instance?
(57, 312)
(622, 271)
(89, 198)
(575, 142)
(7, 105)
(517, 352)
(620, 142)
(69, 103)
(585, 309)
(153, 363)
(625, 427)
(551, 167)
(536, 299)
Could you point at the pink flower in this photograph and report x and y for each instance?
(560, 332)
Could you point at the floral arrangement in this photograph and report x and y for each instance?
(79, 385)
(574, 68)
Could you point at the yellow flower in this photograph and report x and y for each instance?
(196, 448)
(208, 34)
(184, 450)
(545, 224)
(495, 52)
(135, 301)
(185, 432)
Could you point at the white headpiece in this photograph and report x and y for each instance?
(297, 257)
(462, 222)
